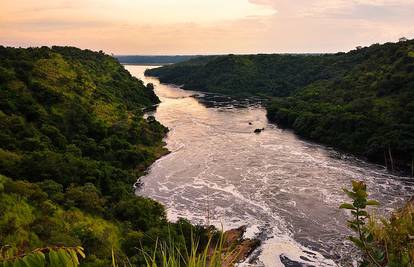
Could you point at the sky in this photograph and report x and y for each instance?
(171, 27)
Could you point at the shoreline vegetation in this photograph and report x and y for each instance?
(73, 141)
(360, 102)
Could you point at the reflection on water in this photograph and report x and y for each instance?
(285, 189)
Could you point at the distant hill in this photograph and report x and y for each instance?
(137, 59)
(264, 74)
(360, 102)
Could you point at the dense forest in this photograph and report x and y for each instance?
(73, 140)
(361, 102)
(72, 143)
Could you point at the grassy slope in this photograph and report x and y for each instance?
(360, 102)
(72, 143)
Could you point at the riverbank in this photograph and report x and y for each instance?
(73, 142)
(285, 189)
(360, 102)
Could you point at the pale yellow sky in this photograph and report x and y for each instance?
(205, 26)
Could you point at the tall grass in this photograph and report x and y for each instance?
(168, 254)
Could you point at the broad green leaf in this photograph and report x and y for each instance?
(54, 259)
(347, 206)
(65, 258)
(74, 257)
(372, 202)
(350, 194)
(19, 263)
(35, 259)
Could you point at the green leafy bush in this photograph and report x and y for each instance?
(42, 257)
(388, 242)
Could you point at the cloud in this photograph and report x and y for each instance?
(50, 25)
(139, 38)
(203, 27)
(351, 9)
(333, 25)
(377, 12)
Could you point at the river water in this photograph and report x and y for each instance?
(285, 189)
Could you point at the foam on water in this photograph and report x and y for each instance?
(286, 190)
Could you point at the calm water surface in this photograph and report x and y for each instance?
(286, 190)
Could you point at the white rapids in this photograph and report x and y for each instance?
(285, 189)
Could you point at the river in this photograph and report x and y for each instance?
(285, 189)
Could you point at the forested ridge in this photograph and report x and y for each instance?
(141, 59)
(361, 102)
(73, 141)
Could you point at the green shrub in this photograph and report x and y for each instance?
(86, 197)
(388, 242)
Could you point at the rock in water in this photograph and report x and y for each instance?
(236, 248)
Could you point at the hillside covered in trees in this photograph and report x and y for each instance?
(361, 102)
(72, 143)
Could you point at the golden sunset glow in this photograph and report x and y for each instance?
(205, 27)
